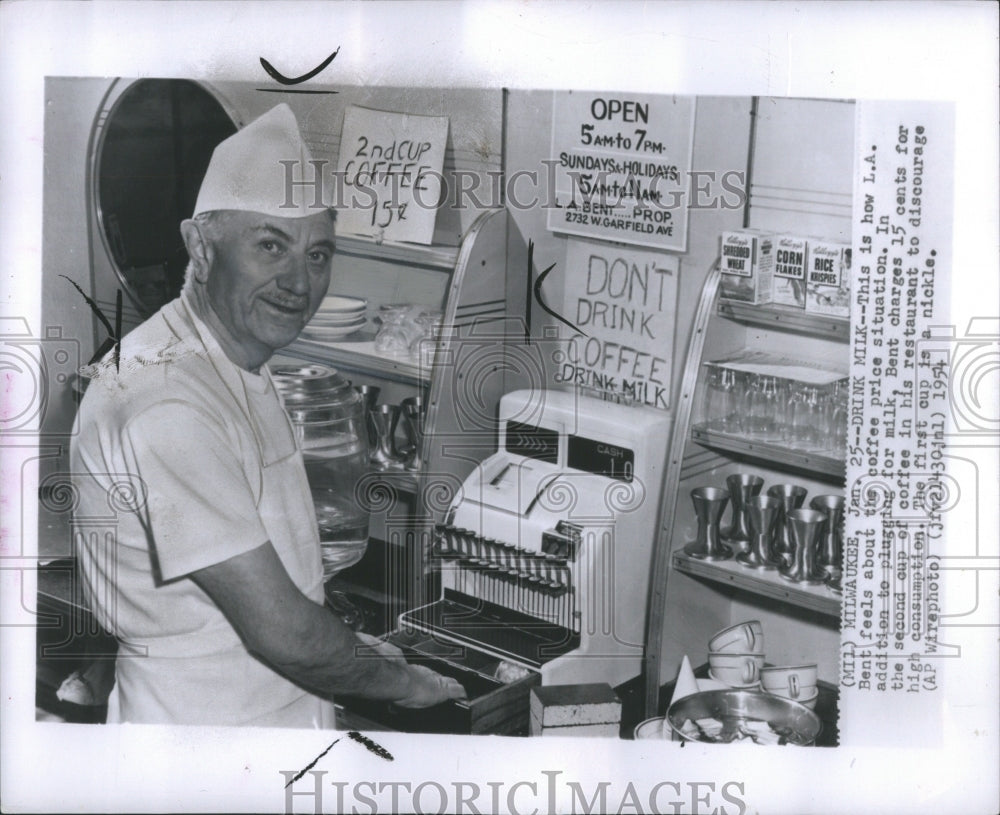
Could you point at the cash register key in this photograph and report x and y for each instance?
(463, 538)
(479, 552)
(550, 573)
(446, 540)
(438, 544)
(488, 553)
(451, 540)
(475, 547)
(535, 571)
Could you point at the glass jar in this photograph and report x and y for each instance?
(328, 416)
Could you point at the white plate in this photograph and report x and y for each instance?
(319, 332)
(339, 304)
(336, 321)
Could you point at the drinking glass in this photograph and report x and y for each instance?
(765, 407)
(809, 408)
(838, 416)
(723, 400)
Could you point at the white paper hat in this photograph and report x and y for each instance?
(246, 171)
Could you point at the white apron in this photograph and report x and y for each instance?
(229, 686)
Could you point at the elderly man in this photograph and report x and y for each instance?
(213, 581)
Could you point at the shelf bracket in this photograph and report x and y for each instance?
(660, 567)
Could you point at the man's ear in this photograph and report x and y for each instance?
(199, 248)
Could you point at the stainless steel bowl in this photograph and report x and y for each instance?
(735, 708)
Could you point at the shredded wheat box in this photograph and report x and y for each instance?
(828, 278)
(747, 263)
(789, 286)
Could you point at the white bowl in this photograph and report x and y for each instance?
(323, 333)
(791, 681)
(343, 305)
(736, 670)
(742, 638)
(336, 320)
(649, 729)
(727, 686)
(808, 700)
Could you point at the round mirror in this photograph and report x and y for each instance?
(154, 151)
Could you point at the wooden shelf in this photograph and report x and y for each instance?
(763, 583)
(437, 256)
(359, 356)
(816, 463)
(788, 318)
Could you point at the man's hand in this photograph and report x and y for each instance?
(307, 642)
(381, 647)
(430, 688)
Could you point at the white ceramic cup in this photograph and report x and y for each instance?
(736, 670)
(791, 681)
(806, 698)
(809, 701)
(742, 638)
(649, 729)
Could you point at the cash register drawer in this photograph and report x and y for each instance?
(492, 707)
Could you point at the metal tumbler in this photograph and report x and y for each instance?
(792, 497)
(763, 512)
(805, 526)
(828, 558)
(709, 504)
(742, 487)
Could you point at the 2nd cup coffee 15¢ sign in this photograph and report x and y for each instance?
(622, 167)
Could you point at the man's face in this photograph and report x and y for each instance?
(268, 277)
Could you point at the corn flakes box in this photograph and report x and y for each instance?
(789, 286)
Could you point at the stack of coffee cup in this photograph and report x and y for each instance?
(736, 655)
(795, 682)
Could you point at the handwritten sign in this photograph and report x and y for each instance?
(622, 167)
(624, 301)
(389, 174)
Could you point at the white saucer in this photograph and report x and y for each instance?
(339, 304)
(336, 320)
(318, 332)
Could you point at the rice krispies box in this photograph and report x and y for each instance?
(789, 286)
(746, 266)
(828, 278)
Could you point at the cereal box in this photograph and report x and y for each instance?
(789, 287)
(828, 278)
(747, 262)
